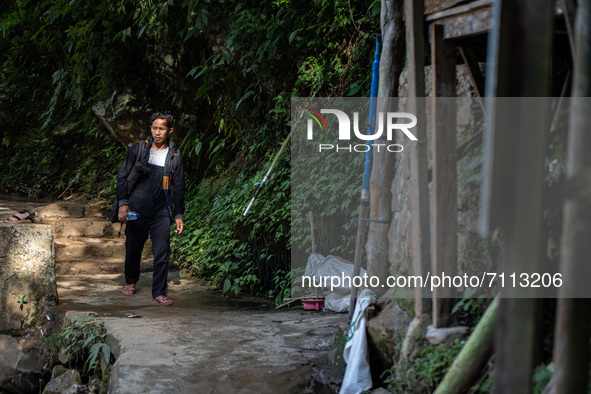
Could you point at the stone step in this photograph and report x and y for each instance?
(9, 208)
(70, 210)
(90, 266)
(94, 211)
(82, 227)
(85, 247)
(52, 211)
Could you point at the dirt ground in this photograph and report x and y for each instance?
(204, 342)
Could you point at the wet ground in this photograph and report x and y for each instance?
(204, 342)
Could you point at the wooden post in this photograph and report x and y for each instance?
(568, 9)
(445, 180)
(419, 178)
(571, 353)
(476, 76)
(312, 234)
(313, 239)
(512, 187)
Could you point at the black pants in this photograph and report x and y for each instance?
(136, 232)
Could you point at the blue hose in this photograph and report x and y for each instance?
(375, 82)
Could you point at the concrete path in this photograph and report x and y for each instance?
(204, 343)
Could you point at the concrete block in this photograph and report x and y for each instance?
(27, 273)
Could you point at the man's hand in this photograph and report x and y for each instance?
(179, 226)
(123, 209)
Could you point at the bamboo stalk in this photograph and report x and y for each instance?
(473, 356)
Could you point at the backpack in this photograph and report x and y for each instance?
(138, 169)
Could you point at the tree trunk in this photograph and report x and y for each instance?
(383, 161)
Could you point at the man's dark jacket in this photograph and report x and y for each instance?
(134, 168)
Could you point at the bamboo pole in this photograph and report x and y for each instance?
(256, 193)
(571, 352)
(473, 357)
(364, 200)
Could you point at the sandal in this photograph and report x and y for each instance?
(163, 300)
(24, 215)
(17, 217)
(128, 291)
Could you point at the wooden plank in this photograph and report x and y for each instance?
(445, 193)
(432, 6)
(512, 190)
(476, 75)
(312, 233)
(463, 9)
(415, 47)
(419, 193)
(464, 21)
(469, 24)
(569, 9)
(519, 70)
(559, 107)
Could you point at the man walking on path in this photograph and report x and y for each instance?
(151, 183)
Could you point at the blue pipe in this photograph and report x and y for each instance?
(375, 82)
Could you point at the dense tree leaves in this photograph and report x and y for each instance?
(225, 69)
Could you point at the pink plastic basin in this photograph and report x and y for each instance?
(314, 304)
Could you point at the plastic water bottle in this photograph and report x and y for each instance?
(132, 215)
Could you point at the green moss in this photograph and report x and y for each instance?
(407, 305)
(424, 369)
(58, 370)
(13, 332)
(341, 340)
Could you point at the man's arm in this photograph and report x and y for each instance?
(124, 171)
(178, 190)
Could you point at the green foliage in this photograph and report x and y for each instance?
(244, 254)
(485, 387)
(470, 304)
(227, 70)
(329, 187)
(82, 343)
(541, 376)
(424, 369)
(86, 165)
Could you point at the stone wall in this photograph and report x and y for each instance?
(27, 273)
(400, 252)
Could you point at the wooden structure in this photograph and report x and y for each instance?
(524, 49)
(450, 27)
